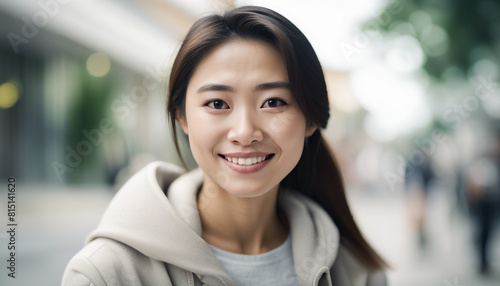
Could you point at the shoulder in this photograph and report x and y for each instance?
(347, 270)
(99, 263)
(108, 262)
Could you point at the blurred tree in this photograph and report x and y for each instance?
(451, 33)
(89, 106)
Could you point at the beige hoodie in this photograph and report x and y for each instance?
(147, 237)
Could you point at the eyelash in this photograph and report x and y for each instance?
(211, 103)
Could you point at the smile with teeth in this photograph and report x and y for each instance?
(247, 161)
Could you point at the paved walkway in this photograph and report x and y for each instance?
(449, 258)
(52, 225)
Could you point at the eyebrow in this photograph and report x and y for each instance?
(260, 87)
(215, 87)
(272, 85)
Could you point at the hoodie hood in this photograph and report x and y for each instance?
(156, 213)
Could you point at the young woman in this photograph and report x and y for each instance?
(266, 205)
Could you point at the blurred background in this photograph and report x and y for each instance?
(415, 102)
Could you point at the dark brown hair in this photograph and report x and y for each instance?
(317, 174)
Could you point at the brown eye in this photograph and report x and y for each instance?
(217, 104)
(273, 102)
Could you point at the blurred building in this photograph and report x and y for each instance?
(80, 86)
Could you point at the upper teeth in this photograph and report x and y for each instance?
(246, 161)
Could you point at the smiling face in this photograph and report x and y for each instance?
(244, 127)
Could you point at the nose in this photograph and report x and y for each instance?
(245, 129)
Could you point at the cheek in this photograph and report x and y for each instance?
(203, 134)
(293, 145)
(289, 134)
(289, 127)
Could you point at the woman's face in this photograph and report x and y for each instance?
(245, 129)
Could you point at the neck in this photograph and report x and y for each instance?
(241, 225)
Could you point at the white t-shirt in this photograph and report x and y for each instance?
(271, 268)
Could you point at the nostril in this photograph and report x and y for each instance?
(245, 131)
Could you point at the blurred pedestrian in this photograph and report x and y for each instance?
(483, 194)
(418, 180)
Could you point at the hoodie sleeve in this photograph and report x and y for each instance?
(105, 262)
(96, 264)
(77, 279)
(81, 272)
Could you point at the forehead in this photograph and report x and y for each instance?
(242, 57)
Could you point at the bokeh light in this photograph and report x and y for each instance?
(435, 40)
(9, 95)
(98, 64)
(396, 103)
(405, 54)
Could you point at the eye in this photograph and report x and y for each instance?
(217, 104)
(273, 103)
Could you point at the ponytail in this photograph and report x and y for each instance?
(318, 177)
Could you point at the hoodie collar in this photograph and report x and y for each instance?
(169, 227)
(315, 239)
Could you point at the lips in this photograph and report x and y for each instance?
(246, 159)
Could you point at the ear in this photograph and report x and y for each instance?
(182, 121)
(310, 129)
